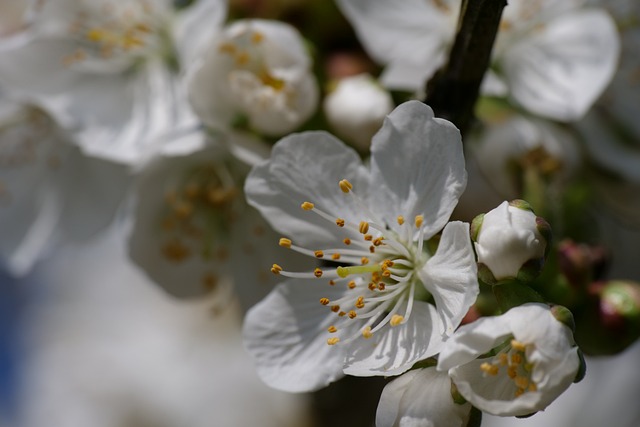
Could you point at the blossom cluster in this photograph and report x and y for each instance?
(419, 250)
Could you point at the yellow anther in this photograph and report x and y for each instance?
(400, 219)
(347, 241)
(335, 256)
(375, 276)
(504, 359)
(519, 392)
(227, 48)
(332, 282)
(387, 263)
(372, 286)
(366, 332)
(368, 237)
(257, 37)
(364, 227)
(386, 273)
(276, 269)
(518, 346)
(324, 301)
(352, 314)
(533, 387)
(512, 371)
(333, 341)
(360, 302)
(335, 308)
(521, 382)
(372, 249)
(351, 284)
(332, 329)
(419, 220)
(364, 260)
(381, 286)
(242, 58)
(396, 319)
(516, 358)
(96, 35)
(317, 272)
(489, 368)
(345, 186)
(284, 242)
(318, 254)
(342, 314)
(377, 241)
(307, 206)
(340, 223)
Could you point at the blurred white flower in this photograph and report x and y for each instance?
(110, 70)
(356, 107)
(507, 239)
(552, 57)
(256, 72)
(194, 234)
(504, 149)
(421, 397)
(49, 191)
(370, 316)
(535, 360)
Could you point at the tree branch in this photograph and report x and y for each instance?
(453, 91)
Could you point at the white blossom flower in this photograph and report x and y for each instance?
(534, 360)
(421, 397)
(552, 57)
(49, 191)
(356, 107)
(507, 238)
(392, 300)
(193, 233)
(505, 148)
(110, 70)
(255, 71)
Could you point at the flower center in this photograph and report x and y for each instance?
(380, 272)
(512, 361)
(116, 31)
(195, 218)
(255, 85)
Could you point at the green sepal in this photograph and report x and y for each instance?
(513, 293)
(582, 369)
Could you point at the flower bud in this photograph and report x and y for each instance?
(356, 109)
(580, 263)
(610, 321)
(511, 243)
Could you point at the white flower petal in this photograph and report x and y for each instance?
(410, 36)
(451, 275)
(286, 334)
(425, 402)
(196, 25)
(395, 349)
(307, 167)
(559, 71)
(417, 167)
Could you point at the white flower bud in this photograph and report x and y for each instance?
(507, 238)
(356, 108)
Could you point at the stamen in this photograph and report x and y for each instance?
(324, 301)
(347, 241)
(317, 272)
(318, 254)
(276, 269)
(366, 332)
(364, 227)
(333, 341)
(332, 329)
(396, 320)
(284, 242)
(340, 223)
(351, 284)
(345, 186)
(307, 206)
(419, 220)
(335, 256)
(517, 345)
(352, 314)
(489, 368)
(400, 220)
